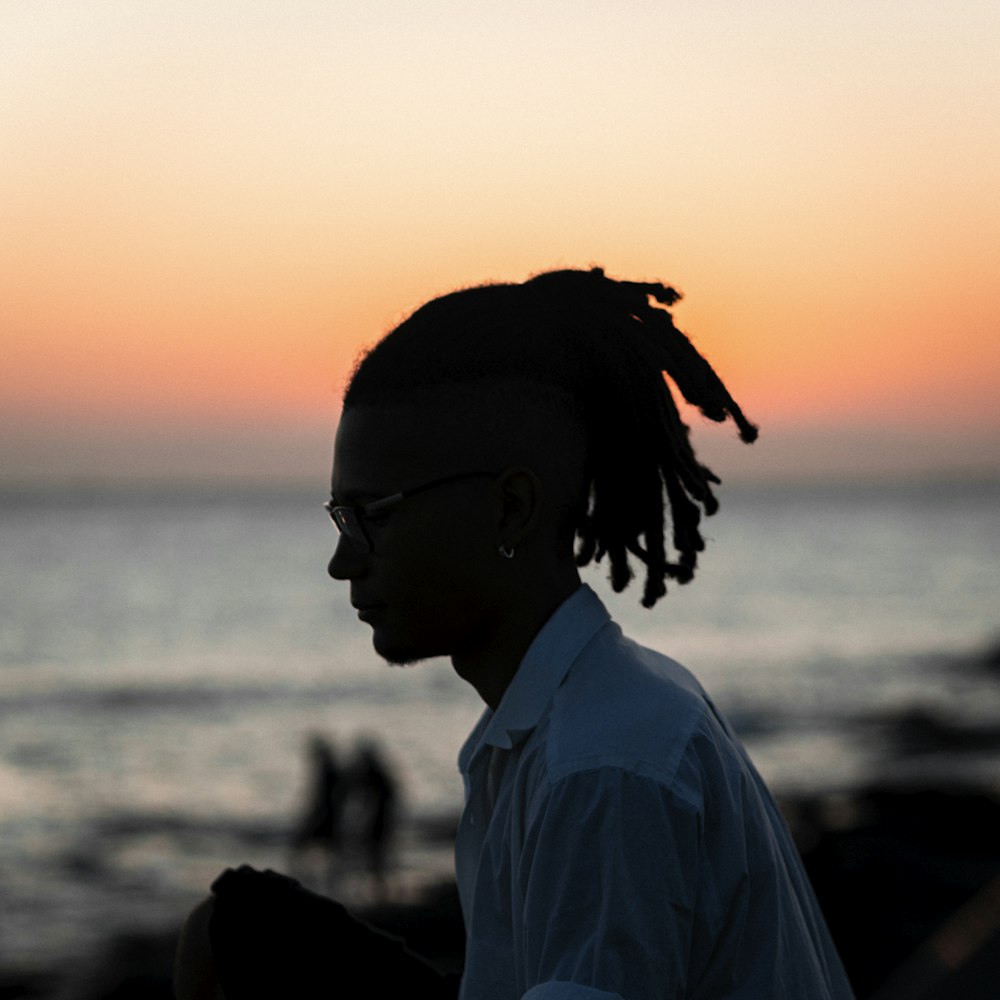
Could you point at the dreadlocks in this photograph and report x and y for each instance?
(608, 347)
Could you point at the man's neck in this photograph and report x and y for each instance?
(492, 667)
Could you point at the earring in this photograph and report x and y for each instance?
(507, 551)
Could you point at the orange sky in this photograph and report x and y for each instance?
(207, 210)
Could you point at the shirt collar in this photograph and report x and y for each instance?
(542, 669)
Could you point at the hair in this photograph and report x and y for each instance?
(609, 347)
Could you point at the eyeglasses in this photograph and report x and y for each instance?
(351, 521)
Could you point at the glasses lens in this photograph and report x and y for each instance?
(347, 522)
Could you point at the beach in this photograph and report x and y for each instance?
(166, 655)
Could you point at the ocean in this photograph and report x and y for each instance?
(166, 655)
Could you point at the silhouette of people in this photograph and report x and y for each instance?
(373, 791)
(349, 817)
(320, 828)
(616, 839)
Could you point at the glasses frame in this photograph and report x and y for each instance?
(350, 518)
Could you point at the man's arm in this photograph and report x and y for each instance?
(607, 884)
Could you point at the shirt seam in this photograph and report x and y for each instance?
(662, 779)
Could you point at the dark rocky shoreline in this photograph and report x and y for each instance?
(906, 868)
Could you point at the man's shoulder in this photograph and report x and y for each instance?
(624, 706)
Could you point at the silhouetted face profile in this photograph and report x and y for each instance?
(426, 585)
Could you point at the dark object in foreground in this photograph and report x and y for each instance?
(271, 937)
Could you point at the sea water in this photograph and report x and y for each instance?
(165, 656)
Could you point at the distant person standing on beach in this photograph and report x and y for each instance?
(374, 793)
(616, 840)
(321, 827)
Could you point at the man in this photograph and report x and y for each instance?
(616, 840)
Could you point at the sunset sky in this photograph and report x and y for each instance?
(208, 209)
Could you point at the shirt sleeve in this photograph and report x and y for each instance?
(607, 881)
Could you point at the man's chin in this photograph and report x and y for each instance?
(397, 654)
(396, 661)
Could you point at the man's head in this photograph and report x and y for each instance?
(554, 390)
(453, 519)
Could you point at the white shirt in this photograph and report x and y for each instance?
(617, 842)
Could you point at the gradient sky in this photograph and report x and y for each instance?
(208, 209)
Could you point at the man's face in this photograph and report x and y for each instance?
(425, 588)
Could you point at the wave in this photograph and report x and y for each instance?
(198, 698)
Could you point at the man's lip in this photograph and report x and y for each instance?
(366, 610)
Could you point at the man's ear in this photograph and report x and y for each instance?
(519, 492)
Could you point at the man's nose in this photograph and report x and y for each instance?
(347, 562)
